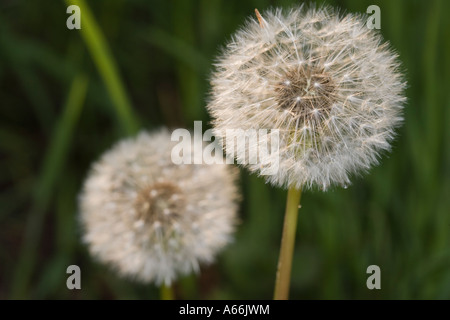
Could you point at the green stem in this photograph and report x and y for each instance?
(287, 245)
(99, 50)
(52, 170)
(166, 292)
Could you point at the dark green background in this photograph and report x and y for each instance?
(396, 217)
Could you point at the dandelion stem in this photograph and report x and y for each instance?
(283, 277)
(166, 292)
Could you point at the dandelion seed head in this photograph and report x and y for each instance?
(330, 85)
(155, 229)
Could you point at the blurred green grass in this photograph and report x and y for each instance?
(63, 104)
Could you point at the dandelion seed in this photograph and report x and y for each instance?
(154, 229)
(318, 77)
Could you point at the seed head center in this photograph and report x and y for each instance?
(306, 91)
(162, 201)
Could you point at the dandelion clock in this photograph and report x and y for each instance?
(329, 85)
(153, 220)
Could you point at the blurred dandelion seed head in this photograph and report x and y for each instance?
(160, 201)
(328, 83)
(151, 219)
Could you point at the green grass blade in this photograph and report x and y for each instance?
(52, 167)
(99, 50)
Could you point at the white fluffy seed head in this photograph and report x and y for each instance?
(151, 219)
(327, 82)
